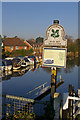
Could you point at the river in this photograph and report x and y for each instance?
(19, 83)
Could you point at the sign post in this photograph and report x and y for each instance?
(53, 81)
(54, 51)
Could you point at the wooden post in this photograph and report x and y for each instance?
(53, 81)
(53, 88)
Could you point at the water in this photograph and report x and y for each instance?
(19, 83)
(22, 84)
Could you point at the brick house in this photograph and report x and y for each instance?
(11, 44)
(37, 47)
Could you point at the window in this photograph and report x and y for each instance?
(11, 47)
(28, 47)
(17, 47)
(25, 47)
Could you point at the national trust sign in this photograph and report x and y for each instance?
(55, 35)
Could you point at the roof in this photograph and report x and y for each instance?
(34, 43)
(14, 42)
(30, 42)
(26, 42)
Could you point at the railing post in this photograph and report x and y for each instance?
(72, 102)
(70, 89)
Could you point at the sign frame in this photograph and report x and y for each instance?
(53, 48)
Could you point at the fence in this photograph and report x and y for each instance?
(19, 107)
(24, 108)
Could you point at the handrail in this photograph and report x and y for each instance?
(36, 88)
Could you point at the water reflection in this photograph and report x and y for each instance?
(33, 76)
(71, 63)
(6, 75)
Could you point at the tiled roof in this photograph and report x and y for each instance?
(14, 42)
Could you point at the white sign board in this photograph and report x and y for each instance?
(55, 36)
(54, 57)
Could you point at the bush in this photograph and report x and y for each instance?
(21, 52)
(7, 53)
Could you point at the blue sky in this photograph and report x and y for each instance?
(31, 19)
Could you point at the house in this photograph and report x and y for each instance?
(29, 46)
(37, 47)
(15, 43)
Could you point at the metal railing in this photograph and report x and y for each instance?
(19, 107)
